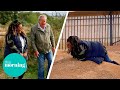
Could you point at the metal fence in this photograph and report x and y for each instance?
(102, 28)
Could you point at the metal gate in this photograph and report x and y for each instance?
(102, 28)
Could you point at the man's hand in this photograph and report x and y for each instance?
(53, 50)
(36, 53)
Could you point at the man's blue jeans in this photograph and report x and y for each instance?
(41, 60)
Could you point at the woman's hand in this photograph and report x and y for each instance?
(25, 54)
(21, 54)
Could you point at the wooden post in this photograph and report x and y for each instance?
(111, 36)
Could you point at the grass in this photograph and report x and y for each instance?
(32, 69)
(2, 74)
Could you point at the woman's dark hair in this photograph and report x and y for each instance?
(75, 42)
(12, 29)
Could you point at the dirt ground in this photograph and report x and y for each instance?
(66, 67)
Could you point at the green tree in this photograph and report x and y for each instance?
(6, 16)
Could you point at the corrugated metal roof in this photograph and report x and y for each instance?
(91, 13)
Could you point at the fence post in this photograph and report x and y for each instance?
(111, 40)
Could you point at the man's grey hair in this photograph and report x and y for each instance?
(42, 16)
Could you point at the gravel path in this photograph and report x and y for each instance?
(66, 67)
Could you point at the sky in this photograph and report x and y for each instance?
(52, 12)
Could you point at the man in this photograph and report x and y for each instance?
(88, 50)
(43, 43)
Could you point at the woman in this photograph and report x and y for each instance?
(16, 41)
(88, 50)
